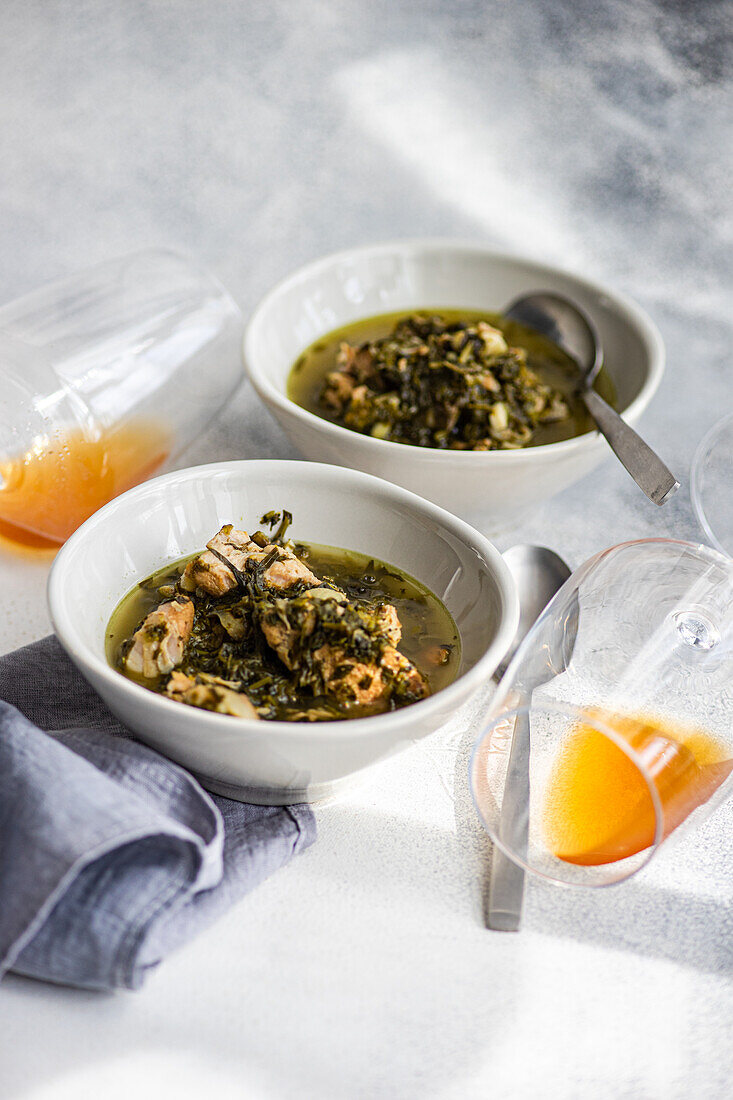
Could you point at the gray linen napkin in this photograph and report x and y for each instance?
(111, 855)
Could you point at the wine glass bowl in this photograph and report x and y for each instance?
(624, 689)
(107, 376)
(710, 478)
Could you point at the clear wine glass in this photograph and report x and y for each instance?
(613, 726)
(106, 376)
(710, 485)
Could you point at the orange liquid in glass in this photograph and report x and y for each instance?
(599, 808)
(48, 492)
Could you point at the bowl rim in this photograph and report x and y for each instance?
(629, 311)
(459, 689)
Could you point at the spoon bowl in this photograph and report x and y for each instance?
(561, 321)
(570, 328)
(538, 574)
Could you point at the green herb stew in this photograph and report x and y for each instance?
(260, 627)
(457, 380)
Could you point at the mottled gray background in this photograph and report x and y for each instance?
(258, 136)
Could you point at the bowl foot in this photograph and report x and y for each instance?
(277, 796)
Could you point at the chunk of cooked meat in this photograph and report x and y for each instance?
(355, 365)
(351, 681)
(178, 683)
(210, 693)
(349, 650)
(338, 389)
(209, 573)
(389, 622)
(158, 645)
(368, 683)
(408, 681)
(355, 361)
(287, 571)
(361, 683)
(288, 623)
(282, 637)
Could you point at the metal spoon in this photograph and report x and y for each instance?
(571, 329)
(538, 574)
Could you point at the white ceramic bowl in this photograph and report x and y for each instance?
(406, 275)
(174, 515)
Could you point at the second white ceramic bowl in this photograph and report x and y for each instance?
(174, 515)
(493, 486)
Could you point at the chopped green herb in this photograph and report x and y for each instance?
(448, 379)
(433, 383)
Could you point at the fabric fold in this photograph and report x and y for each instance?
(111, 855)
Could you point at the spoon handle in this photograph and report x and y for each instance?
(506, 885)
(646, 468)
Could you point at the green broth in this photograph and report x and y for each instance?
(553, 367)
(427, 624)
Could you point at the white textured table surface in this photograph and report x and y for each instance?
(259, 135)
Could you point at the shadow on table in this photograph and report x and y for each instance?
(420, 994)
(684, 928)
(399, 999)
